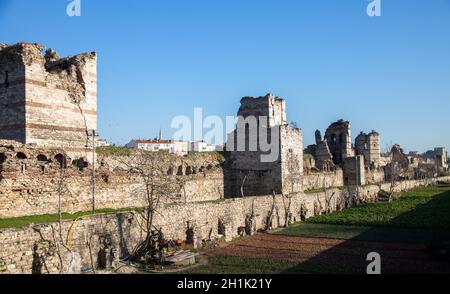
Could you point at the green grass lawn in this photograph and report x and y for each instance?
(21, 222)
(388, 234)
(420, 208)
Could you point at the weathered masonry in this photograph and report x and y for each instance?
(209, 219)
(253, 171)
(30, 178)
(45, 100)
(361, 163)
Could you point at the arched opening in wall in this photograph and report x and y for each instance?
(61, 160)
(42, 160)
(80, 164)
(333, 139)
(22, 156)
(2, 161)
(190, 234)
(221, 228)
(105, 179)
(195, 170)
(180, 171)
(188, 170)
(366, 146)
(170, 171)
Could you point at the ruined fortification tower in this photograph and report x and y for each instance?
(339, 140)
(248, 170)
(269, 106)
(323, 156)
(45, 100)
(368, 145)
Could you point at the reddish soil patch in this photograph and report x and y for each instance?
(395, 257)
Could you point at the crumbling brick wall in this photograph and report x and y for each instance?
(46, 100)
(204, 218)
(30, 179)
(338, 137)
(368, 145)
(320, 180)
(246, 170)
(354, 171)
(291, 149)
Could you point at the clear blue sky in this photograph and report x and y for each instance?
(159, 59)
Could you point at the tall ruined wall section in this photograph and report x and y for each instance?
(354, 170)
(252, 171)
(269, 106)
(368, 145)
(12, 94)
(48, 101)
(338, 137)
(291, 149)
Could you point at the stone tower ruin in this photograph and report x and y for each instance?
(248, 174)
(368, 145)
(339, 139)
(45, 100)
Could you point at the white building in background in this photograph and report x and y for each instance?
(173, 147)
(181, 148)
(204, 147)
(152, 145)
(102, 143)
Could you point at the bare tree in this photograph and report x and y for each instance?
(318, 208)
(156, 188)
(329, 194)
(244, 180)
(58, 242)
(293, 181)
(269, 222)
(396, 170)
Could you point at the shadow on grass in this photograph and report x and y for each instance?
(402, 250)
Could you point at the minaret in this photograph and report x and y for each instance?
(161, 135)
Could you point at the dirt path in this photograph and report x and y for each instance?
(395, 257)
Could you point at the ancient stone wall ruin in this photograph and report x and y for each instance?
(247, 172)
(125, 231)
(321, 180)
(354, 170)
(31, 178)
(368, 145)
(321, 152)
(46, 100)
(338, 137)
(357, 161)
